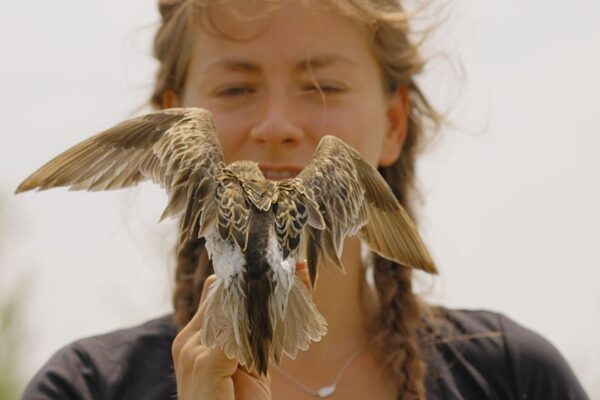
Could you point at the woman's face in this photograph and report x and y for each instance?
(284, 80)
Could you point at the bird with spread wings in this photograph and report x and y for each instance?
(255, 229)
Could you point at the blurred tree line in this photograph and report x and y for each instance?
(12, 319)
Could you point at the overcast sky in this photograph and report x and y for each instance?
(512, 192)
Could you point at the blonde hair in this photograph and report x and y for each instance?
(400, 326)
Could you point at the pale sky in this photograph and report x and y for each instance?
(512, 192)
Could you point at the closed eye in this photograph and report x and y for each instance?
(324, 88)
(233, 91)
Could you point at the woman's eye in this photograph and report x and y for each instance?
(332, 89)
(234, 91)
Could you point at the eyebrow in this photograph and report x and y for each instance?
(312, 63)
(322, 60)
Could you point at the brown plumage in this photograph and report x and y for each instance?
(255, 230)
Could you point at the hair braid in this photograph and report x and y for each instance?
(397, 327)
(400, 320)
(193, 267)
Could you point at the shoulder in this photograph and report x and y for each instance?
(108, 365)
(488, 355)
(539, 367)
(156, 333)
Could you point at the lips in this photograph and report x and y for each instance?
(279, 172)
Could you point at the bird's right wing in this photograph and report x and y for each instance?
(177, 148)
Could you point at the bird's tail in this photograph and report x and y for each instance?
(301, 324)
(260, 332)
(227, 323)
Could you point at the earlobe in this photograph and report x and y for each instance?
(397, 115)
(169, 99)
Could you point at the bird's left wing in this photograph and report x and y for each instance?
(177, 148)
(355, 199)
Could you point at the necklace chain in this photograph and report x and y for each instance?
(324, 391)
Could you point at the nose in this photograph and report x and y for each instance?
(278, 125)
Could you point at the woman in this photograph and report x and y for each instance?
(277, 77)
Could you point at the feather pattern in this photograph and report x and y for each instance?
(177, 148)
(233, 215)
(256, 230)
(355, 199)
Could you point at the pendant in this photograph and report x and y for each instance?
(326, 391)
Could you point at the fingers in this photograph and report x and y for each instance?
(250, 385)
(201, 372)
(215, 362)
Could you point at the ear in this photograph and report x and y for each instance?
(397, 115)
(169, 99)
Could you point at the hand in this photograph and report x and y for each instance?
(204, 373)
(207, 373)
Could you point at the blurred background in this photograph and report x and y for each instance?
(511, 188)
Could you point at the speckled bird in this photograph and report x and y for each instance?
(255, 229)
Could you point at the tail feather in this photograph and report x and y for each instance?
(278, 339)
(303, 323)
(260, 330)
(226, 324)
(290, 330)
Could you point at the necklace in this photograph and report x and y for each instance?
(328, 390)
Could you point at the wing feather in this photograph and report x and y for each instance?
(177, 148)
(354, 199)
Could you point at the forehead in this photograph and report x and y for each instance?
(294, 32)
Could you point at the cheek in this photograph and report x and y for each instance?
(363, 128)
(232, 133)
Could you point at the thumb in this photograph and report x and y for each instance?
(302, 273)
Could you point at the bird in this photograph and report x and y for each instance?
(255, 229)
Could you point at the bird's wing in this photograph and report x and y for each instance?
(177, 148)
(355, 199)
